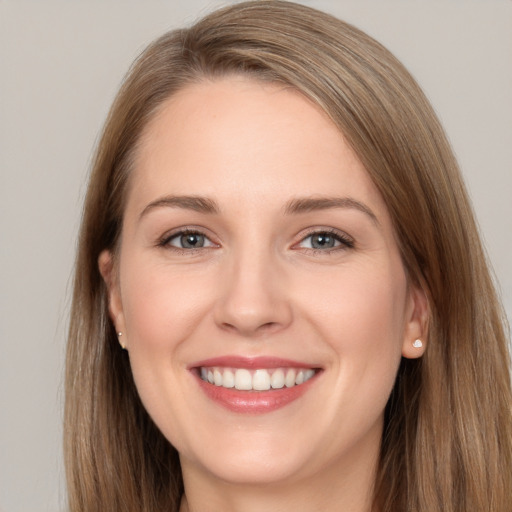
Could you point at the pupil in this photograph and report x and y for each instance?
(321, 241)
(192, 240)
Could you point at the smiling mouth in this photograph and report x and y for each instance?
(244, 379)
(254, 385)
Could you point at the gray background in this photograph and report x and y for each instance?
(61, 63)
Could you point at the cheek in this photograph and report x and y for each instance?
(363, 296)
(362, 318)
(361, 313)
(162, 307)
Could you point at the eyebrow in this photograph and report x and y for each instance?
(295, 206)
(195, 203)
(309, 204)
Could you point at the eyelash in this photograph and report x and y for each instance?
(166, 239)
(345, 242)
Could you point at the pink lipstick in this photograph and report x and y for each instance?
(254, 385)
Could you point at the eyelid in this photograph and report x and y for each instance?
(164, 240)
(345, 240)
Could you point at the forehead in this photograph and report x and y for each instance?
(242, 140)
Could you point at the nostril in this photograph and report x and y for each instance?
(251, 330)
(268, 326)
(228, 327)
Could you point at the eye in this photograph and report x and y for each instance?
(187, 240)
(325, 241)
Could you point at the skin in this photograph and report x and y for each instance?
(258, 288)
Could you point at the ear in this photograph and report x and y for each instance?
(115, 307)
(416, 323)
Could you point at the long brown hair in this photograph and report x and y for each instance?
(447, 438)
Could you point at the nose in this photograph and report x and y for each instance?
(253, 298)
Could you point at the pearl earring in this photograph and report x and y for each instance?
(417, 343)
(123, 346)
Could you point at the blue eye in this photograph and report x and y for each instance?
(188, 240)
(325, 240)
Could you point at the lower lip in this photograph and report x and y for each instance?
(254, 402)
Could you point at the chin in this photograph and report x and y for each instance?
(251, 459)
(254, 469)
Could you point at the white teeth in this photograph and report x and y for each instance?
(217, 377)
(277, 379)
(228, 379)
(243, 380)
(257, 380)
(261, 380)
(289, 380)
(308, 374)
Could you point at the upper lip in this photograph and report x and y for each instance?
(259, 362)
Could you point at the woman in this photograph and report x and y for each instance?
(277, 235)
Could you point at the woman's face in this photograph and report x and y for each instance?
(257, 253)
